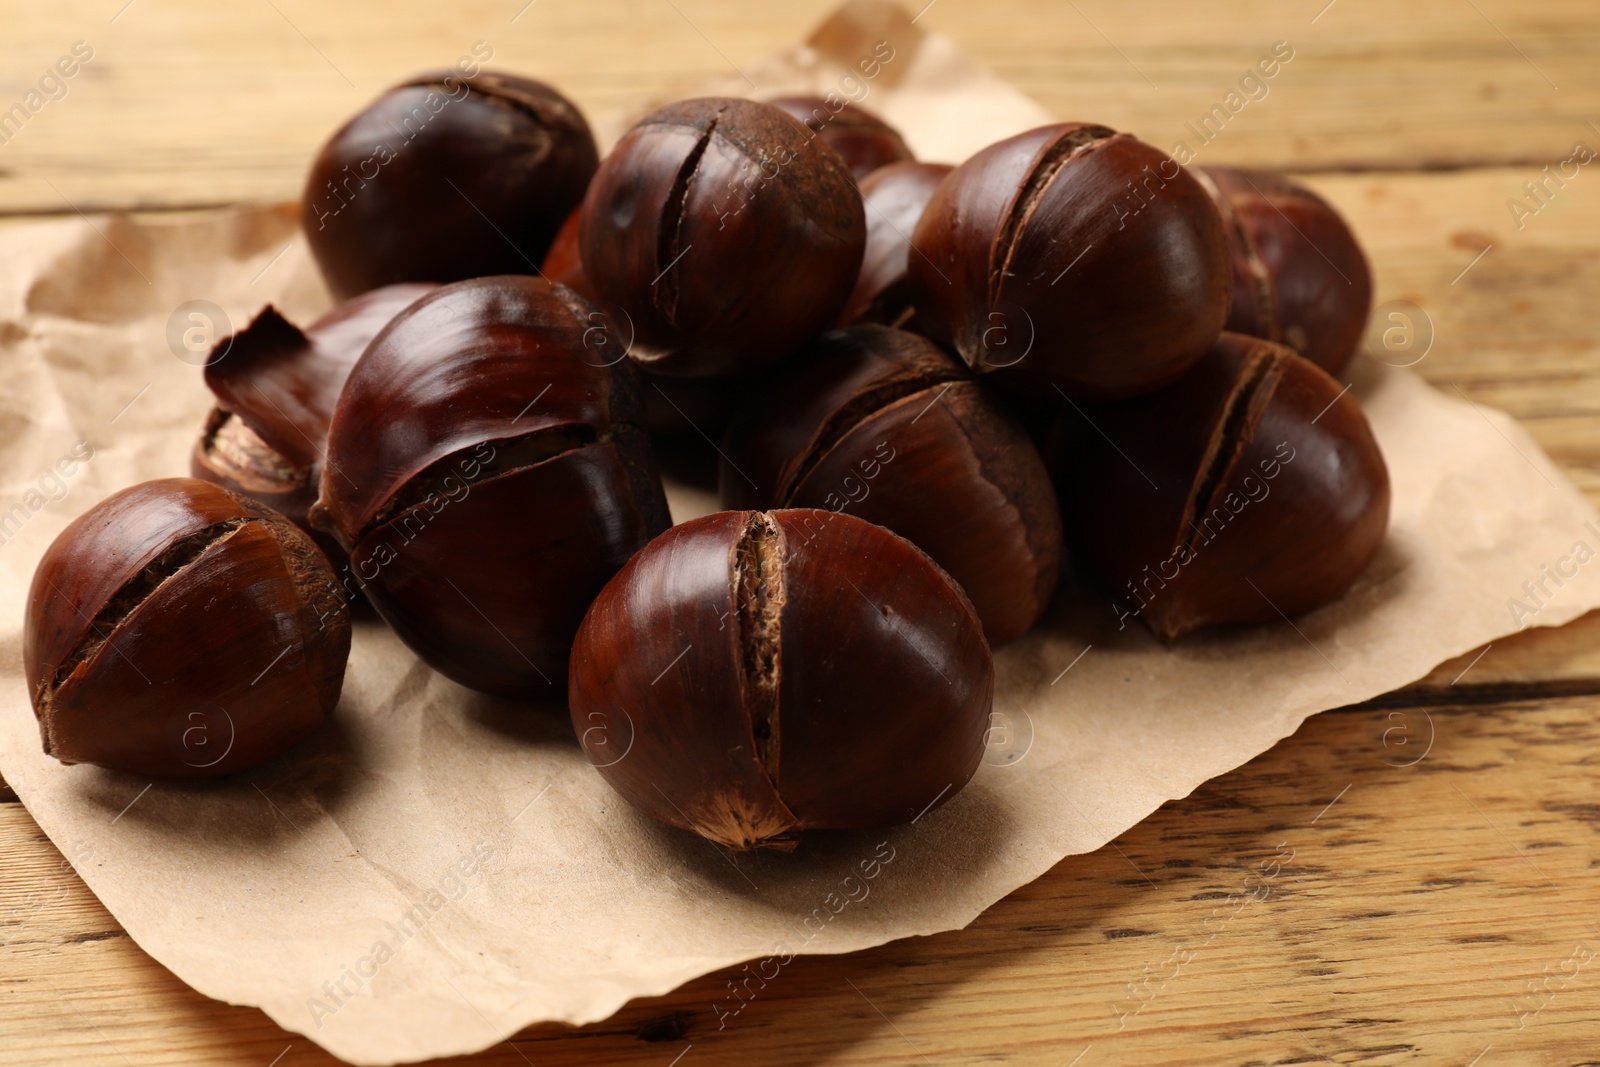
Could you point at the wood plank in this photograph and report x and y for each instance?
(1414, 908)
(187, 102)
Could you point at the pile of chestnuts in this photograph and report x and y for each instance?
(922, 390)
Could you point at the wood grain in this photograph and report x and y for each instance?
(188, 102)
(1407, 913)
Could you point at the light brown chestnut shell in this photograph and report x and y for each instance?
(769, 673)
(882, 424)
(178, 630)
(1250, 490)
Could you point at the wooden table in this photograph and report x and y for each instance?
(1437, 896)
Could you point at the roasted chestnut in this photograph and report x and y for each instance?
(1080, 257)
(488, 473)
(863, 140)
(768, 673)
(894, 197)
(563, 265)
(179, 630)
(1299, 275)
(728, 234)
(444, 177)
(276, 387)
(884, 424)
(1249, 490)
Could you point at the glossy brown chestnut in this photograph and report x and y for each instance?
(179, 630)
(563, 264)
(883, 424)
(488, 473)
(728, 234)
(276, 387)
(1249, 490)
(1077, 256)
(894, 197)
(863, 140)
(768, 673)
(1299, 275)
(446, 177)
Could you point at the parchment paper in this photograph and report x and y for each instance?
(437, 869)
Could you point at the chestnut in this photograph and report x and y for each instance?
(563, 265)
(1249, 490)
(883, 424)
(863, 140)
(1080, 257)
(179, 630)
(488, 473)
(774, 672)
(446, 177)
(276, 387)
(1299, 275)
(728, 234)
(894, 197)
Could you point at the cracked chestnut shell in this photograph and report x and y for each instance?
(778, 672)
(1248, 491)
(894, 197)
(178, 630)
(487, 473)
(1076, 256)
(1299, 275)
(883, 424)
(727, 232)
(446, 177)
(276, 386)
(863, 140)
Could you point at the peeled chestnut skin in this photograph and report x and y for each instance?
(178, 630)
(446, 177)
(884, 425)
(1076, 256)
(894, 197)
(1300, 276)
(779, 672)
(1249, 490)
(488, 473)
(863, 140)
(728, 234)
(276, 386)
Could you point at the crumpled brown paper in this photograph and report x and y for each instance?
(438, 869)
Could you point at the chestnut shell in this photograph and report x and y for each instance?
(488, 473)
(884, 425)
(276, 388)
(894, 197)
(1300, 276)
(1075, 255)
(179, 630)
(727, 232)
(778, 672)
(863, 140)
(1249, 490)
(446, 177)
